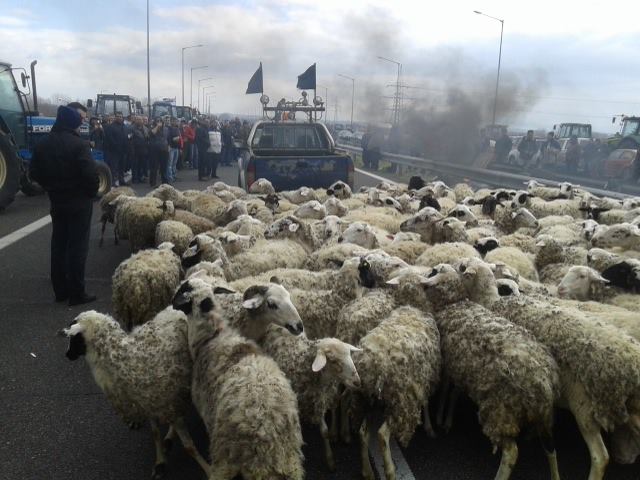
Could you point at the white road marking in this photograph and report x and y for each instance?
(373, 175)
(403, 471)
(19, 234)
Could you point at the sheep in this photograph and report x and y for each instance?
(143, 285)
(219, 188)
(399, 367)
(204, 248)
(234, 244)
(333, 256)
(600, 259)
(197, 223)
(175, 232)
(623, 235)
(363, 314)
(541, 208)
(136, 219)
(462, 190)
(234, 209)
(361, 234)
(512, 378)
(407, 250)
(329, 229)
(335, 207)
(316, 370)
(299, 196)
(584, 283)
(509, 219)
(244, 399)
(145, 374)
(537, 189)
(311, 209)
(206, 206)
(446, 253)
(290, 227)
(599, 364)
(423, 222)
(246, 225)
(266, 255)
(108, 208)
(464, 214)
(262, 186)
(386, 218)
(516, 259)
(166, 192)
(485, 245)
(339, 190)
(377, 266)
(522, 241)
(624, 274)
(213, 270)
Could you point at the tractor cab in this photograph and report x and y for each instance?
(162, 109)
(185, 113)
(567, 130)
(110, 104)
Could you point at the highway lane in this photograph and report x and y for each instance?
(56, 424)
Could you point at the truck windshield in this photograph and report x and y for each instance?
(11, 106)
(162, 110)
(289, 137)
(107, 106)
(580, 131)
(630, 127)
(184, 112)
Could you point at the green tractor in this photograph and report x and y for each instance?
(629, 135)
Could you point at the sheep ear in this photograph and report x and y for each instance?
(353, 349)
(514, 214)
(317, 207)
(252, 303)
(254, 296)
(393, 281)
(319, 362)
(595, 276)
(221, 290)
(275, 280)
(182, 302)
(294, 227)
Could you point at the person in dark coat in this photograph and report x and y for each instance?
(116, 145)
(504, 144)
(158, 153)
(62, 164)
(140, 151)
(573, 155)
(202, 144)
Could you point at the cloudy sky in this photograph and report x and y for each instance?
(561, 61)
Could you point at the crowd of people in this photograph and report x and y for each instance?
(159, 149)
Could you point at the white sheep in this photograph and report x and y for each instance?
(292, 228)
(175, 232)
(145, 374)
(143, 284)
(244, 399)
(301, 195)
(623, 235)
(166, 192)
(334, 206)
(516, 259)
(312, 209)
(340, 190)
(446, 253)
(262, 186)
(316, 370)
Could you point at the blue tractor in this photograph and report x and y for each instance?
(20, 130)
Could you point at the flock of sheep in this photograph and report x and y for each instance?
(339, 308)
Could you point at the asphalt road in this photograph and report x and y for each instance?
(57, 425)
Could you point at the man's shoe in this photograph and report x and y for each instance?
(84, 298)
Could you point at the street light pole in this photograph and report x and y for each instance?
(326, 101)
(353, 92)
(204, 94)
(183, 49)
(495, 98)
(191, 83)
(199, 82)
(148, 69)
(397, 103)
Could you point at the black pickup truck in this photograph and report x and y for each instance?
(293, 154)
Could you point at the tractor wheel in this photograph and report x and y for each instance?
(104, 175)
(29, 187)
(9, 172)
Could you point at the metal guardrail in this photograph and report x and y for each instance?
(493, 178)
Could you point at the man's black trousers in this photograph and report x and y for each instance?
(69, 247)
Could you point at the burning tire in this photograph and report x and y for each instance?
(104, 176)
(9, 172)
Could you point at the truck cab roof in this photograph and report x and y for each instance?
(269, 138)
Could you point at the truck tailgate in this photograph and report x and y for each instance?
(289, 173)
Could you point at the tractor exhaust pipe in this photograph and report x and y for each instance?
(33, 85)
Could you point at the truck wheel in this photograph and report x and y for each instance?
(9, 172)
(104, 175)
(28, 186)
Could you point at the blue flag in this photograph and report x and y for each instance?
(307, 81)
(255, 84)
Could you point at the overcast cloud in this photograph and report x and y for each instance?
(561, 61)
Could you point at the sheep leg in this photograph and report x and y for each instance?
(550, 449)
(104, 227)
(160, 467)
(189, 446)
(599, 456)
(508, 461)
(168, 439)
(426, 420)
(453, 400)
(442, 403)
(384, 434)
(333, 430)
(328, 452)
(367, 470)
(345, 428)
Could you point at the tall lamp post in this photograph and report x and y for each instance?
(353, 91)
(148, 70)
(183, 49)
(199, 82)
(495, 99)
(397, 103)
(209, 96)
(204, 89)
(191, 83)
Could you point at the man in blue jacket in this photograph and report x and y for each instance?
(62, 164)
